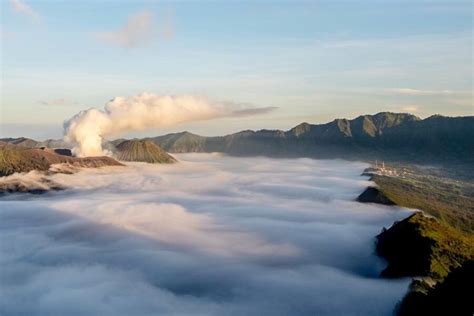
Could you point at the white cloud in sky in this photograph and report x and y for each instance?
(418, 92)
(145, 111)
(137, 30)
(410, 108)
(6, 34)
(22, 7)
(58, 101)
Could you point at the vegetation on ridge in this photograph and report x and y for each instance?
(451, 297)
(449, 200)
(423, 246)
(438, 246)
(391, 136)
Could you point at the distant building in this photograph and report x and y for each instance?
(381, 170)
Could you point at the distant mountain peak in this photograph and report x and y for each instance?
(143, 151)
(300, 129)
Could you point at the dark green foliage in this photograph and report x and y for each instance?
(374, 195)
(433, 247)
(406, 250)
(449, 200)
(423, 246)
(451, 297)
(447, 238)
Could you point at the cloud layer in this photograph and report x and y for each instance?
(147, 110)
(58, 102)
(137, 30)
(22, 7)
(211, 235)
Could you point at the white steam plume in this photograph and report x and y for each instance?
(147, 110)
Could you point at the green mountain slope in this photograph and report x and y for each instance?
(451, 297)
(181, 142)
(389, 136)
(432, 247)
(423, 246)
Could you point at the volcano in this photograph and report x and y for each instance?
(142, 150)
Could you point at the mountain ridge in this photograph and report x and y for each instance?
(385, 135)
(15, 158)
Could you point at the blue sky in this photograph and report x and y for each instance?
(314, 60)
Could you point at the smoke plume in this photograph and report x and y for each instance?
(123, 114)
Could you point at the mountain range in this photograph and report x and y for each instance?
(385, 135)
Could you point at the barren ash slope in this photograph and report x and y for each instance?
(24, 155)
(20, 156)
(142, 151)
(14, 158)
(16, 162)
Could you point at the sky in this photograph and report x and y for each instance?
(309, 61)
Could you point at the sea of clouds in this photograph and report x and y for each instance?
(210, 235)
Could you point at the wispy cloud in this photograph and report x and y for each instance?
(417, 92)
(22, 7)
(254, 111)
(137, 30)
(58, 101)
(410, 108)
(5, 34)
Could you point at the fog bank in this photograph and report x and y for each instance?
(211, 235)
